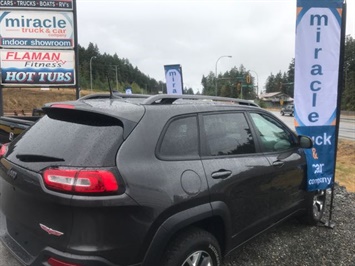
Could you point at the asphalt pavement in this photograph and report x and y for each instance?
(346, 126)
(6, 259)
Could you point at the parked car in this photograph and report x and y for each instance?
(12, 126)
(150, 180)
(287, 110)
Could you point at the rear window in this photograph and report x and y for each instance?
(71, 138)
(180, 140)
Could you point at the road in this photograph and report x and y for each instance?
(346, 127)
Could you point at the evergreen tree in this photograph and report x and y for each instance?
(348, 95)
(232, 83)
(348, 90)
(119, 71)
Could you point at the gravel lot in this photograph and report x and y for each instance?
(293, 243)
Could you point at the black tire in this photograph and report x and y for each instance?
(282, 113)
(193, 246)
(315, 207)
(291, 114)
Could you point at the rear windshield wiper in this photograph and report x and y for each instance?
(38, 158)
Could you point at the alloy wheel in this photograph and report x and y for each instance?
(318, 204)
(198, 258)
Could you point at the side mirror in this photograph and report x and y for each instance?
(305, 142)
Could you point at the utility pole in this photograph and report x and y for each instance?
(90, 63)
(115, 66)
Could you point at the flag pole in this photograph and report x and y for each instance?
(330, 223)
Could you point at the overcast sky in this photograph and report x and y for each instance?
(259, 34)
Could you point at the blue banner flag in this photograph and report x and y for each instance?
(173, 76)
(318, 42)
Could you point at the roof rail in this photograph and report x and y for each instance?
(166, 98)
(97, 96)
(124, 95)
(116, 95)
(169, 99)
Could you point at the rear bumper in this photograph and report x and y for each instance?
(26, 259)
(16, 250)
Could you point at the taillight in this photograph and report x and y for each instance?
(3, 149)
(80, 181)
(56, 262)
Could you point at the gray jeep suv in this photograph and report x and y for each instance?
(149, 180)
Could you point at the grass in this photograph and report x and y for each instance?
(345, 165)
(15, 99)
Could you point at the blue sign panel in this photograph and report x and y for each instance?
(318, 34)
(173, 75)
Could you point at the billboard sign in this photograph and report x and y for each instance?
(318, 41)
(33, 29)
(173, 76)
(37, 4)
(37, 67)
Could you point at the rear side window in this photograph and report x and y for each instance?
(227, 134)
(180, 139)
(75, 138)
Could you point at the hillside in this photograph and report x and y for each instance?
(26, 99)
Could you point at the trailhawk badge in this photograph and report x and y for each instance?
(51, 231)
(12, 173)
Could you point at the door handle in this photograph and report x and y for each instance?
(278, 163)
(221, 174)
